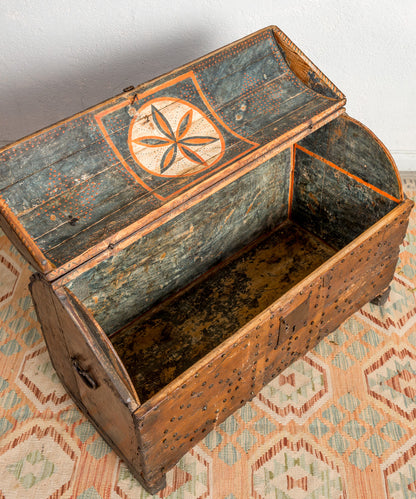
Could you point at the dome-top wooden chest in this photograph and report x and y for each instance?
(195, 235)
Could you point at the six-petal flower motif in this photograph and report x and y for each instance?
(175, 140)
(185, 138)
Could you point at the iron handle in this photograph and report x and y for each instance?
(84, 375)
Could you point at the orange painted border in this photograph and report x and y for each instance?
(291, 179)
(348, 174)
(385, 150)
(151, 91)
(196, 109)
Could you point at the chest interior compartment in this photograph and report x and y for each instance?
(179, 291)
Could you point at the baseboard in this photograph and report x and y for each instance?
(405, 160)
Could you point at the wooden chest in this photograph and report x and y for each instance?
(195, 235)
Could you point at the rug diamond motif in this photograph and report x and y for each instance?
(39, 381)
(298, 391)
(295, 470)
(31, 469)
(400, 473)
(190, 478)
(399, 313)
(38, 462)
(392, 380)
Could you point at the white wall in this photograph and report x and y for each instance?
(59, 56)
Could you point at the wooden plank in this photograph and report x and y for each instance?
(297, 147)
(47, 147)
(36, 199)
(34, 191)
(304, 68)
(123, 238)
(104, 214)
(23, 242)
(79, 132)
(186, 246)
(223, 88)
(78, 167)
(237, 70)
(48, 316)
(79, 208)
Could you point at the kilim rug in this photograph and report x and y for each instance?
(338, 423)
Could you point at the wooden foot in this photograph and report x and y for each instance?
(154, 486)
(381, 299)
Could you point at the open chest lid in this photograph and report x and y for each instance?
(79, 187)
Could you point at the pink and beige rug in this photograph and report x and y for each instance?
(339, 423)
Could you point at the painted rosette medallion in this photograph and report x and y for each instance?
(170, 137)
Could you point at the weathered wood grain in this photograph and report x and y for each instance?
(350, 145)
(58, 179)
(69, 240)
(44, 300)
(121, 287)
(22, 241)
(123, 238)
(259, 64)
(331, 204)
(96, 186)
(179, 416)
(188, 277)
(157, 347)
(303, 67)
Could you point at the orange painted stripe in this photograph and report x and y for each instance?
(386, 151)
(292, 178)
(345, 172)
(98, 118)
(153, 90)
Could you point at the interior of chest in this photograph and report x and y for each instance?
(176, 293)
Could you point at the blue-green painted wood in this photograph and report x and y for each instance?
(66, 183)
(331, 204)
(351, 147)
(118, 210)
(177, 252)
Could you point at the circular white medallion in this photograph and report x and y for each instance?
(170, 137)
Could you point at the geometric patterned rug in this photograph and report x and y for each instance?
(338, 423)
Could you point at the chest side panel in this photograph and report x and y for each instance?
(331, 204)
(352, 147)
(181, 415)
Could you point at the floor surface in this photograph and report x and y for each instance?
(338, 423)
